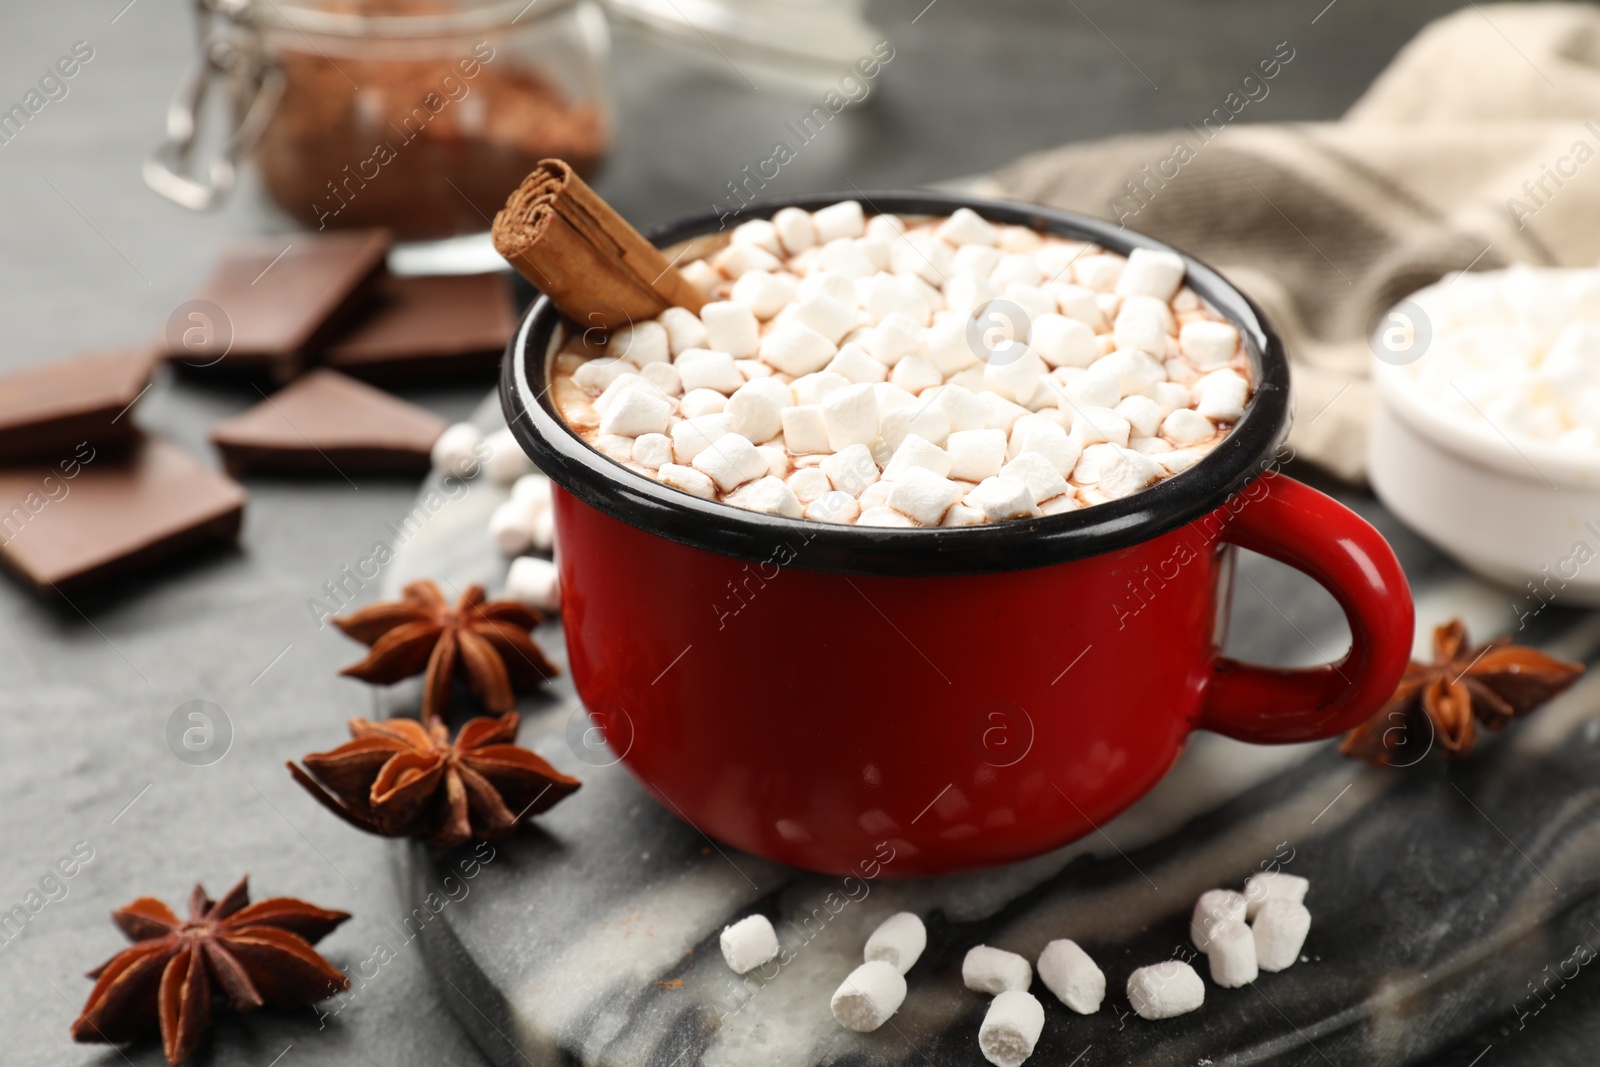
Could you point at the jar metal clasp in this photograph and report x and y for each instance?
(232, 59)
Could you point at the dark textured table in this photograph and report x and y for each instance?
(90, 257)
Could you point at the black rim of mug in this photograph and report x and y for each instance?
(1016, 544)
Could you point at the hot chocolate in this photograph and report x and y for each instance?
(912, 372)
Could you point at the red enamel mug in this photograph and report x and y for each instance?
(809, 692)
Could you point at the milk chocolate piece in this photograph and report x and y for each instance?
(48, 408)
(270, 304)
(429, 330)
(97, 514)
(329, 425)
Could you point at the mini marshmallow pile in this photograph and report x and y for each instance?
(945, 372)
(1516, 348)
(524, 523)
(1278, 923)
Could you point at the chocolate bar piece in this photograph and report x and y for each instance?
(270, 304)
(97, 514)
(431, 329)
(48, 408)
(328, 424)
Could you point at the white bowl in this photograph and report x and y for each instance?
(1521, 512)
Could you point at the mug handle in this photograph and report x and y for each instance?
(1295, 524)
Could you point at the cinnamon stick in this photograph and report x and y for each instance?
(574, 247)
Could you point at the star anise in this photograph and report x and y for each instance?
(404, 779)
(259, 954)
(1462, 688)
(421, 632)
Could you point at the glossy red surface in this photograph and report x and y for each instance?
(967, 721)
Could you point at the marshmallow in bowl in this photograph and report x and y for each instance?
(834, 333)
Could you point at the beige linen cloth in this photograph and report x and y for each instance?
(1328, 225)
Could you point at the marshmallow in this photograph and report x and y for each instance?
(1170, 395)
(1060, 505)
(1150, 272)
(850, 416)
(535, 583)
(834, 507)
(1207, 343)
(749, 943)
(1040, 475)
(831, 317)
(853, 362)
(641, 344)
(618, 384)
(771, 495)
(882, 516)
(1221, 395)
(1273, 885)
(1032, 299)
(704, 368)
(865, 1000)
(1099, 272)
(921, 254)
(851, 469)
(830, 284)
(693, 436)
(1232, 952)
(1061, 341)
(898, 940)
(809, 483)
(701, 275)
(684, 329)
(977, 454)
(534, 491)
(893, 294)
(1142, 324)
(777, 459)
(1042, 434)
(1135, 371)
(1280, 929)
(663, 378)
(1094, 388)
(966, 227)
(731, 327)
(759, 232)
(511, 528)
(844, 219)
(1020, 239)
(965, 293)
(653, 450)
(949, 348)
(917, 452)
(614, 446)
(804, 429)
(1091, 425)
(1017, 268)
(815, 388)
(1180, 459)
(994, 970)
(964, 408)
(976, 259)
(896, 337)
(737, 260)
(794, 229)
(755, 410)
(636, 411)
(927, 421)
(688, 480)
(1011, 1028)
(915, 373)
(885, 226)
(1079, 304)
(1165, 990)
(507, 461)
(595, 374)
(1187, 427)
(876, 249)
(1015, 379)
(891, 396)
(456, 451)
(1142, 414)
(1127, 472)
(699, 402)
(730, 462)
(1069, 973)
(922, 494)
(846, 256)
(765, 292)
(961, 515)
(796, 349)
(1003, 414)
(1150, 446)
(1002, 498)
(1212, 909)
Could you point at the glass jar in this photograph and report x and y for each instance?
(418, 115)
